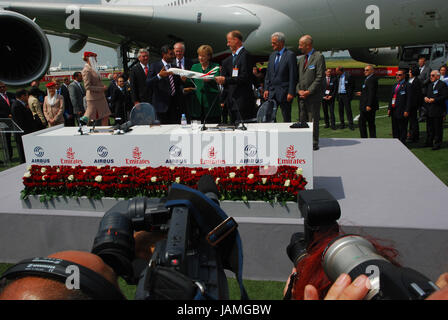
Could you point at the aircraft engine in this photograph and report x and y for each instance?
(377, 56)
(25, 52)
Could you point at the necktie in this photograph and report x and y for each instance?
(306, 62)
(146, 70)
(233, 59)
(179, 65)
(395, 95)
(5, 96)
(277, 59)
(328, 82)
(170, 77)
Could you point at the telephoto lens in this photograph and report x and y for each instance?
(296, 249)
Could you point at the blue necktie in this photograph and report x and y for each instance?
(233, 58)
(277, 59)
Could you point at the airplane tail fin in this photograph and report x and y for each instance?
(211, 72)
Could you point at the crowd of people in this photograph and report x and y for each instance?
(236, 93)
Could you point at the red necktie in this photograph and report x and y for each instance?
(395, 95)
(306, 62)
(5, 96)
(146, 70)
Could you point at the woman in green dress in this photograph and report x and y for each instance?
(207, 92)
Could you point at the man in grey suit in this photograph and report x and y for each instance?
(281, 76)
(77, 95)
(425, 79)
(310, 86)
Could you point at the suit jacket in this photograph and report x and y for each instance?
(161, 88)
(349, 85)
(415, 91)
(188, 63)
(23, 117)
(238, 93)
(121, 102)
(68, 107)
(425, 78)
(5, 109)
(440, 94)
(369, 94)
(77, 97)
(330, 89)
(312, 77)
(139, 89)
(282, 80)
(402, 100)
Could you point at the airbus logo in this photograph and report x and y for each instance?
(39, 152)
(102, 151)
(175, 151)
(250, 151)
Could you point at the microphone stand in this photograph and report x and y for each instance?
(242, 127)
(203, 128)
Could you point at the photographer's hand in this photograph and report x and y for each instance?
(342, 289)
(145, 243)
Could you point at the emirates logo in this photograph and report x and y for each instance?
(70, 154)
(212, 153)
(291, 152)
(136, 153)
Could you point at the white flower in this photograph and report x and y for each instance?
(98, 167)
(287, 183)
(43, 177)
(73, 167)
(125, 176)
(153, 179)
(238, 168)
(43, 170)
(85, 170)
(58, 170)
(113, 169)
(172, 168)
(210, 169)
(217, 180)
(299, 171)
(98, 178)
(28, 168)
(71, 178)
(264, 180)
(177, 179)
(27, 174)
(251, 176)
(232, 175)
(143, 168)
(193, 171)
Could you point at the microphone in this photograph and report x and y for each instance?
(207, 186)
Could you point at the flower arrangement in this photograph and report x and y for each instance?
(271, 184)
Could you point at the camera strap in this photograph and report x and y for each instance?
(209, 216)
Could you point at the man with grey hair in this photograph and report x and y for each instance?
(281, 75)
(138, 76)
(368, 103)
(435, 96)
(310, 86)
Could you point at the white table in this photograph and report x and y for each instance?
(171, 145)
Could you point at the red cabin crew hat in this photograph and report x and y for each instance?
(89, 54)
(50, 84)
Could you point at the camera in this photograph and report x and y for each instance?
(352, 254)
(201, 241)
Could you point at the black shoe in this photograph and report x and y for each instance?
(351, 127)
(435, 148)
(315, 148)
(333, 127)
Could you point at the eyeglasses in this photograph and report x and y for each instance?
(433, 75)
(399, 75)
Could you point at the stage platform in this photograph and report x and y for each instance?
(384, 191)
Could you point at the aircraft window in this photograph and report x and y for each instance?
(412, 54)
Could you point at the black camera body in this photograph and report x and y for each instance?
(353, 254)
(187, 264)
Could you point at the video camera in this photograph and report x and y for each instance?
(201, 241)
(352, 254)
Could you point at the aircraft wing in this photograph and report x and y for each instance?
(111, 25)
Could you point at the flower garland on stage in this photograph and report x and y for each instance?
(271, 184)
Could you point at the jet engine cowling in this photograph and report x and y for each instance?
(25, 52)
(377, 56)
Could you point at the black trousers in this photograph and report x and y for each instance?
(399, 128)
(345, 104)
(367, 118)
(286, 110)
(414, 130)
(328, 107)
(18, 137)
(434, 131)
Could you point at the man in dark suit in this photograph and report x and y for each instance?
(166, 88)
(368, 103)
(121, 101)
(310, 84)
(69, 119)
(6, 101)
(425, 80)
(328, 99)
(345, 90)
(436, 94)
(138, 76)
(399, 106)
(281, 75)
(415, 91)
(77, 94)
(22, 115)
(236, 78)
